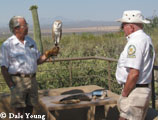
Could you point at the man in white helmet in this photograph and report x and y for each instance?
(134, 68)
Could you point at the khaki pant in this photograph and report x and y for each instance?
(25, 91)
(134, 107)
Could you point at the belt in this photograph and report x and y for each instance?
(142, 85)
(24, 75)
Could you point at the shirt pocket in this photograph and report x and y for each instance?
(33, 53)
(33, 50)
(17, 57)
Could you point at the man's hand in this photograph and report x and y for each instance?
(53, 52)
(7, 77)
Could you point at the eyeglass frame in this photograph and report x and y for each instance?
(22, 26)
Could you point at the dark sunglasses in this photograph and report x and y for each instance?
(122, 25)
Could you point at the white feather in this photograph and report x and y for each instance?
(57, 31)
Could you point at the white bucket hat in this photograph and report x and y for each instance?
(133, 16)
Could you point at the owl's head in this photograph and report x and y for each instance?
(57, 25)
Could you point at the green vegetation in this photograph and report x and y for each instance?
(84, 72)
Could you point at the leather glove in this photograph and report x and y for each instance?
(53, 52)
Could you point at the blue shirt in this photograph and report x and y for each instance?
(19, 57)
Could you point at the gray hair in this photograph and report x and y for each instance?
(13, 23)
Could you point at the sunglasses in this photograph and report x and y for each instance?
(122, 25)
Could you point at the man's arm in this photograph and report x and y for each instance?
(131, 82)
(7, 76)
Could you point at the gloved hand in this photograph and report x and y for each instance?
(53, 52)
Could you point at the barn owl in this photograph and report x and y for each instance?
(57, 31)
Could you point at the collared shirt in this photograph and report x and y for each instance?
(138, 54)
(18, 57)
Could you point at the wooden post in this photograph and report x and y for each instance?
(109, 76)
(36, 28)
(91, 113)
(70, 73)
(153, 90)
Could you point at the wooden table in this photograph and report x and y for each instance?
(50, 102)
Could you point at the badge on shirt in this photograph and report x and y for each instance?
(131, 51)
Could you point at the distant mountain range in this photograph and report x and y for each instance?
(69, 23)
(46, 23)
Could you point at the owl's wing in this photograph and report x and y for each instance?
(60, 33)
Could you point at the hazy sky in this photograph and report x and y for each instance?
(105, 10)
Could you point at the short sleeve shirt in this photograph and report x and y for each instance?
(138, 54)
(18, 57)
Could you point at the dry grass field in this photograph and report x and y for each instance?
(97, 29)
(92, 29)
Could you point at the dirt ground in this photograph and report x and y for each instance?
(102, 112)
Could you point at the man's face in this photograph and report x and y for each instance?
(23, 28)
(127, 28)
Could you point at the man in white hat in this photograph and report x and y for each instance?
(134, 68)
